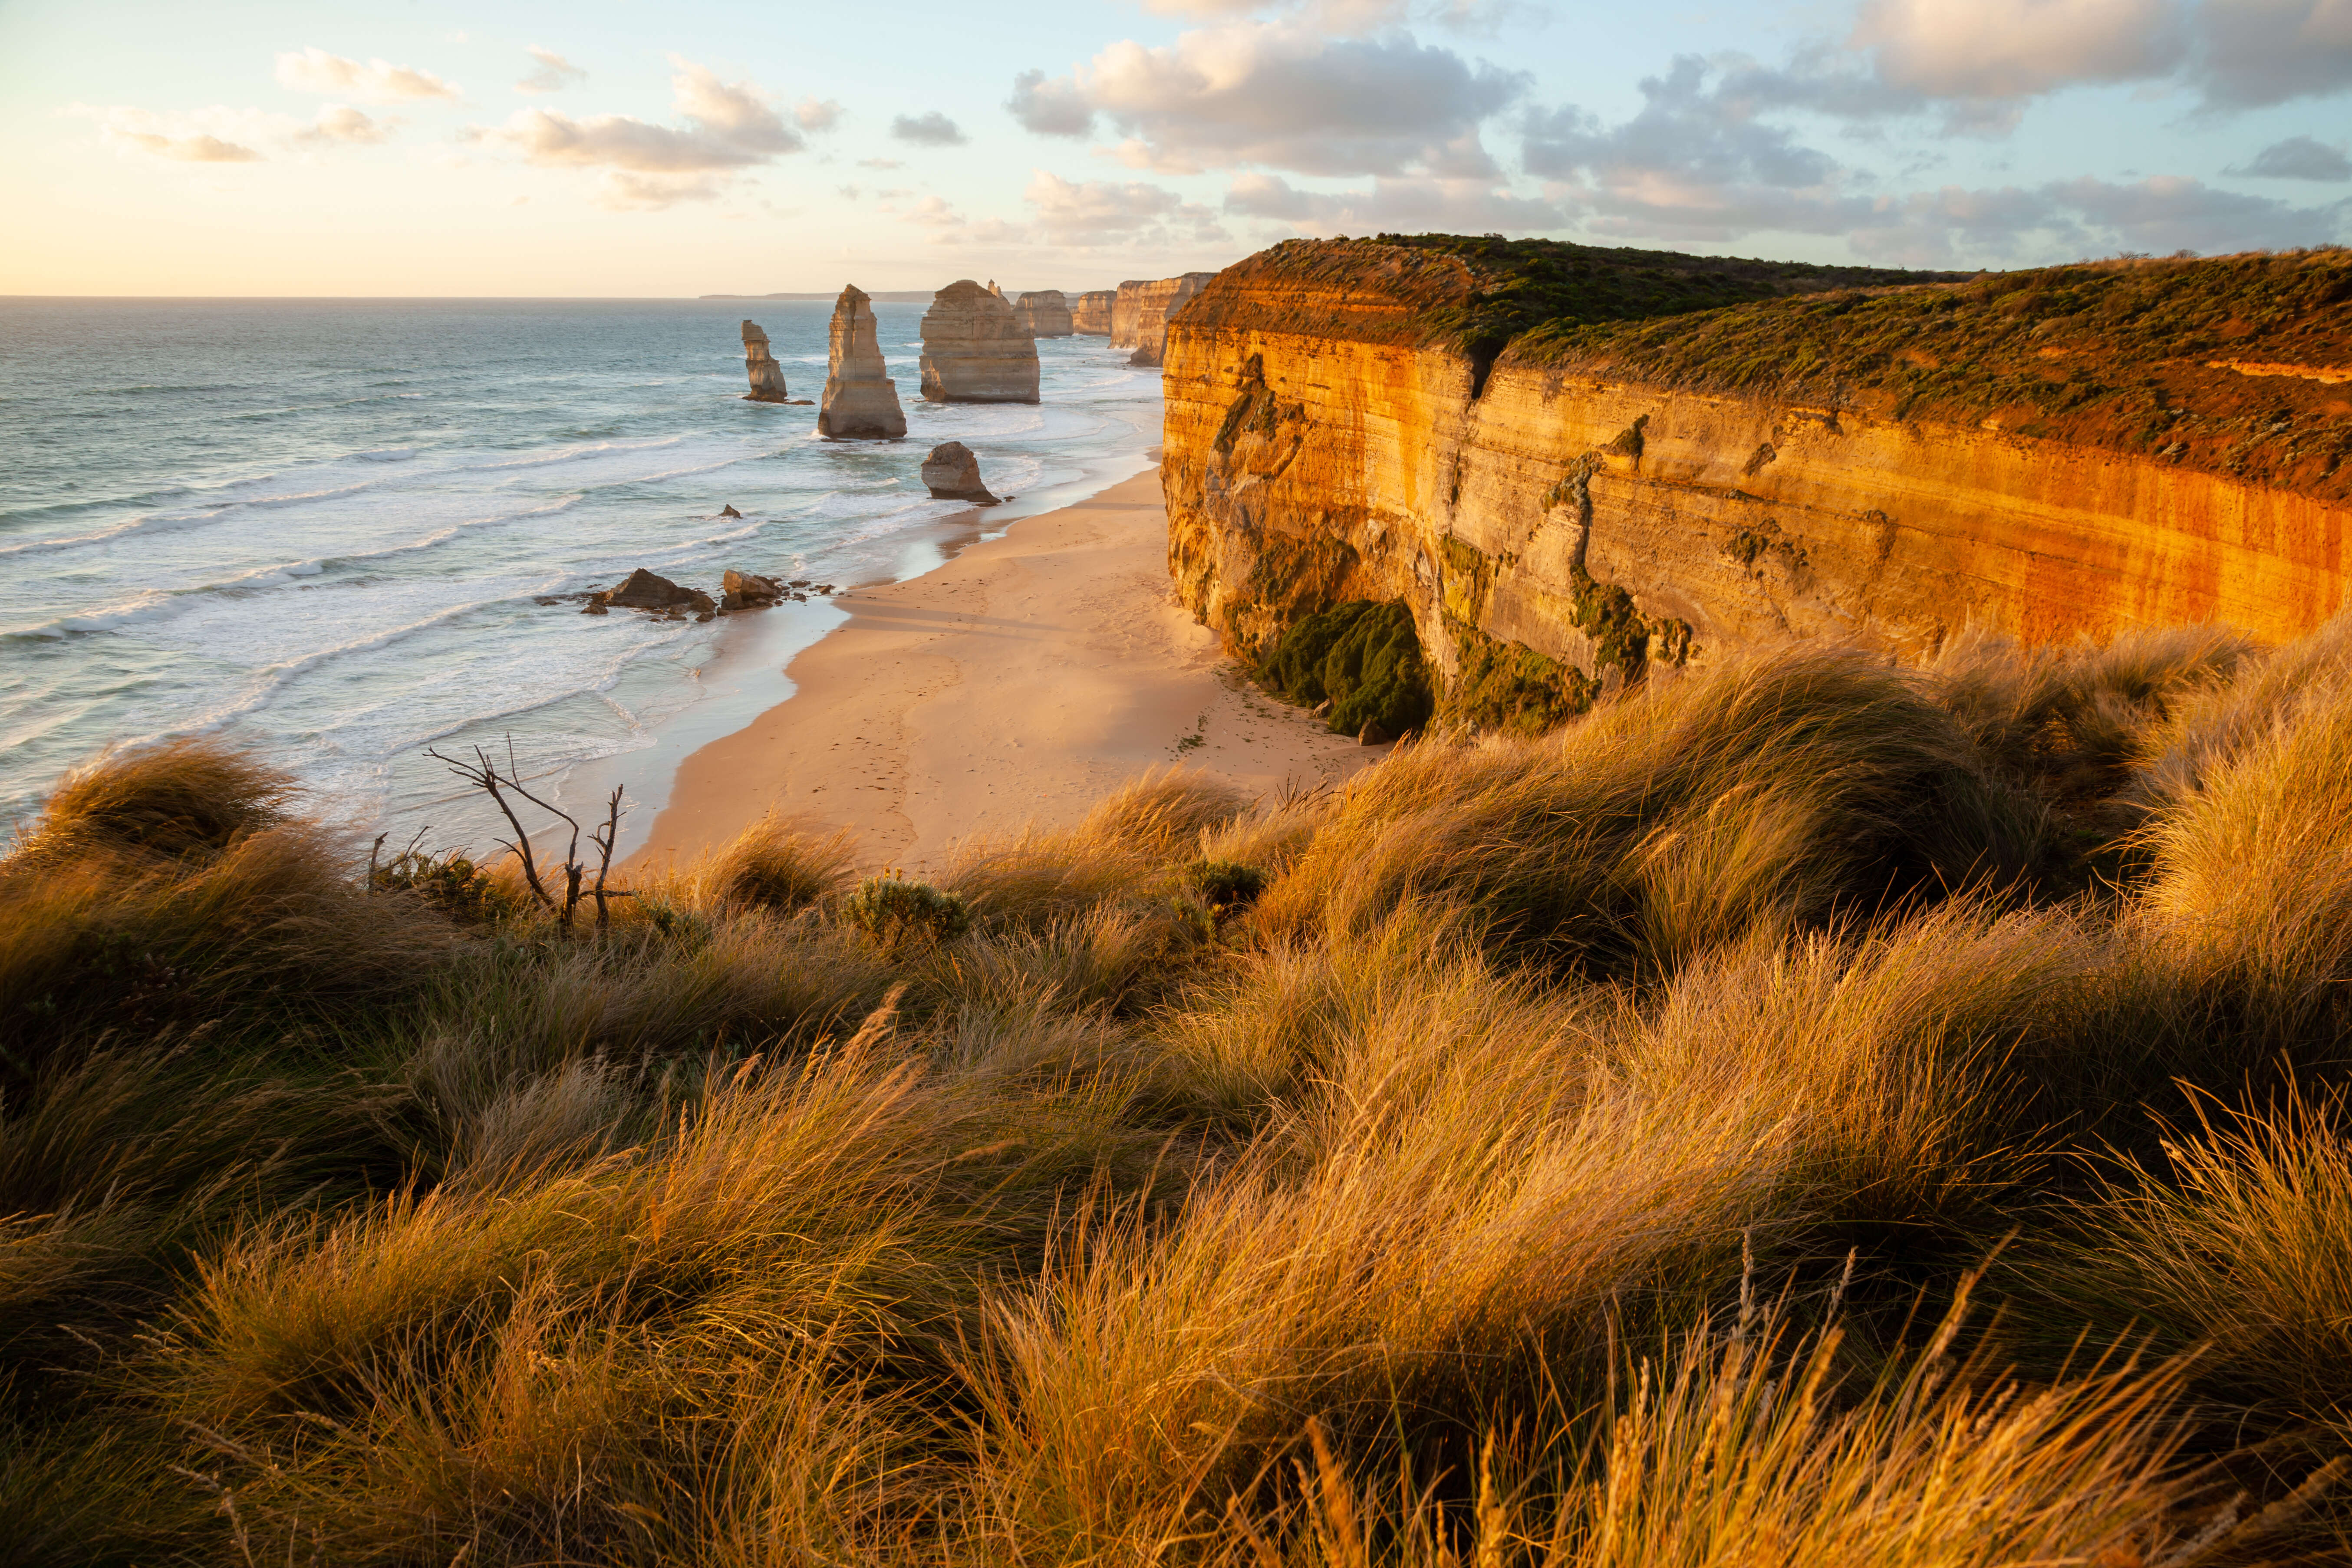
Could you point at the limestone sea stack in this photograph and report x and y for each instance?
(952, 473)
(1090, 313)
(1045, 312)
(861, 401)
(1139, 315)
(767, 376)
(975, 349)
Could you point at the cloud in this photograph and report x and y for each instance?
(625, 190)
(727, 126)
(1058, 108)
(1696, 163)
(931, 129)
(812, 115)
(2004, 50)
(1277, 94)
(198, 149)
(1392, 205)
(2298, 158)
(881, 162)
(2257, 52)
(1099, 211)
(213, 135)
(316, 71)
(554, 73)
(341, 125)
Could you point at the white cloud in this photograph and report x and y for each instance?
(2257, 52)
(316, 71)
(1409, 205)
(214, 135)
(197, 149)
(1098, 211)
(554, 73)
(339, 124)
(811, 114)
(1696, 163)
(933, 212)
(727, 126)
(2002, 50)
(2298, 158)
(626, 190)
(881, 162)
(1280, 94)
(930, 129)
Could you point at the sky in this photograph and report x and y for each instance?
(673, 148)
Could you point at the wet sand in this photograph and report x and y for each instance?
(1017, 683)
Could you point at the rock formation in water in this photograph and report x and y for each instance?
(643, 590)
(767, 376)
(952, 473)
(861, 401)
(1140, 313)
(975, 351)
(1045, 313)
(746, 590)
(1573, 465)
(1090, 313)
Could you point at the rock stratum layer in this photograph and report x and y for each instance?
(861, 401)
(1140, 313)
(1568, 473)
(1045, 313)
(1090, 312)
(975, 349)
(767, 376)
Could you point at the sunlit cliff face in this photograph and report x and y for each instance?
(1608, 513)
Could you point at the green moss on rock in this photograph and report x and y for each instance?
(1508, 686)
(1363, 659)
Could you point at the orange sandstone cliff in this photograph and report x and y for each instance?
(1572, 463)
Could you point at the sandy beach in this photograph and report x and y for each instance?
(1017, 683)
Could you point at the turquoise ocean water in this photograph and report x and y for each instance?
(321, 528)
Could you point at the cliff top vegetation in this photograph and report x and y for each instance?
(1800, 1112)
(1474, 294)
(2238, 364)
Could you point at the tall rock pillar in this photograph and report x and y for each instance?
(767, 376)
(861, 401)
(975, 349)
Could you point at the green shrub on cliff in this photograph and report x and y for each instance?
(1364, 659)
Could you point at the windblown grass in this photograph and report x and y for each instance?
(1806, 1112)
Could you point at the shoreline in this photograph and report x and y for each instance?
(1033, 670)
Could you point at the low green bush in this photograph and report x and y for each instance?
(1225, 884)
(895, 911)
(1364, 659)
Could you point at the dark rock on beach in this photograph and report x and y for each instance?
(646, 591)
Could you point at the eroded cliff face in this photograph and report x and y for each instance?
(1553, 515)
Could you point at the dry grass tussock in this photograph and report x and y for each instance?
(1808, 1112)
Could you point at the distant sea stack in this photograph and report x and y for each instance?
(1090, 315)
(975, 349)
(861, 401)
(1139, 315)
(1045, 312)
(952, 473)
(767, 376)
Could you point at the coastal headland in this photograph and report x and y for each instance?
(1017, 683)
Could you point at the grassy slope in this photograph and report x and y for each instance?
(1729, 1130)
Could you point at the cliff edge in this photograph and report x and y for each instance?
(1572, 463)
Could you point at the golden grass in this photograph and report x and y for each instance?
(1586, 1150)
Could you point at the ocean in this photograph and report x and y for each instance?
(324, 530)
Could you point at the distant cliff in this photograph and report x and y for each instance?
(1571, 464)
(1139, 312)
